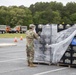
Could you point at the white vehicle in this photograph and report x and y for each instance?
(23, 29)
(2, 29)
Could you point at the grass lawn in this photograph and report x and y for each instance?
(7, 35)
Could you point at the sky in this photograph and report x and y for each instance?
(27, 3)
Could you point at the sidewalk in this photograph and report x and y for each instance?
(7, 44)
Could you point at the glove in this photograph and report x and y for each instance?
(47, 46)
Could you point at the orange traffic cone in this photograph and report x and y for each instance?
(21, 38)
(15, 39)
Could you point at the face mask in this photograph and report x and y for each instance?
(34, 30)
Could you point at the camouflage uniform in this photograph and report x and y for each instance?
(30, 36)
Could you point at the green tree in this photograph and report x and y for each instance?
(66, 20)
(56, 17)
(73, 18)
(71, 7)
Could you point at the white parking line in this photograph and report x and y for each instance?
(12, 60)
(50, 71)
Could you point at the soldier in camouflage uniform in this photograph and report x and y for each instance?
(30, 36)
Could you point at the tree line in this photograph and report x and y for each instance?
(38, 13)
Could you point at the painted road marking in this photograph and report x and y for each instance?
(50, 71)
(12, 60)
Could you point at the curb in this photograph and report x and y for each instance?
(7, 44)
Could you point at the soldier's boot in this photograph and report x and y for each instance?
(32, 65)
(28, 63)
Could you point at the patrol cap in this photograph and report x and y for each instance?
(31, 26)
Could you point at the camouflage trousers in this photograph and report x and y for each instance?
(30, 54)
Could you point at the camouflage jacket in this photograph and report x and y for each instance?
(30, 36)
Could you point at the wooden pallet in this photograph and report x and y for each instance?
(66, 65)
(43, 63)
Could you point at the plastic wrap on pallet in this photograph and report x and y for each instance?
(38, 56)
(46, 30)
(53, 32)
(62, 43)
(48, 55)
(57, 43)
(45, 38)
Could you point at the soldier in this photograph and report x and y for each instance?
(30, 36)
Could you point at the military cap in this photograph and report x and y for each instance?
(31, 26)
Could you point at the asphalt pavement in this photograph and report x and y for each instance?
(13, 62)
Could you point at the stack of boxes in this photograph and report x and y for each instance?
(47, 36)
(43, 54)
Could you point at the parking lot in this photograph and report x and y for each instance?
(13, 62)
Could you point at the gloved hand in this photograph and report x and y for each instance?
(47, 46)
(38, 37)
